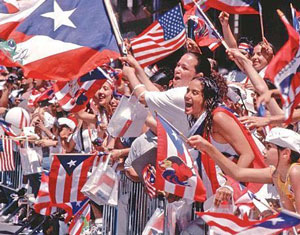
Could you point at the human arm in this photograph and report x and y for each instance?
(227, 33)
(294, 179)
(140, 74)
(230, 168)
(86, 117)
(257, 81)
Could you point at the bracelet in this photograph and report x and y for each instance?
(137, 86)
(140, 95)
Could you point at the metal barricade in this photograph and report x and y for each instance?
(12, 180)
(133, 212)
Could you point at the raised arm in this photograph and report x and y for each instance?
(227, 33)
(230, 168)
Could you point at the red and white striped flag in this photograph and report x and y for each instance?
(160, 39)
(80, 221)
(7, 162)
(175, 169)
(67, 176)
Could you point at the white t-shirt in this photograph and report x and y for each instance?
(170, 105)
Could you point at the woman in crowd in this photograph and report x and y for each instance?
(282, 154)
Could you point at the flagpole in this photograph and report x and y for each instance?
(210, 24)
(261, 21)
(115, 27)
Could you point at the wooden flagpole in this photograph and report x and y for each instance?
(115, 26)
(261, 21)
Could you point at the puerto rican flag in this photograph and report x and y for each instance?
(61, 40)
(6, 127)
(284, 70)
(74, 95)
(235, 6)
(175, 169)
(44, 206)
(189, 4)
(67, 176)
(296, 18)
(81, 220)
(229, 224)
(8, 6)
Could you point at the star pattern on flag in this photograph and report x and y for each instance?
(276, 220)
(60, 17)
(172, 23)
(71, 163)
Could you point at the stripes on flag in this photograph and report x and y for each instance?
(160, 39)
(296, 18)
(7, 162)
(67, 176)
(284, 70)
(80, 221)
(235, 6)
(175, 169)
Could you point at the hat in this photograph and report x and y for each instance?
(284, 138)
(70, 122)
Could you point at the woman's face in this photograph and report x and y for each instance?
(114, 104)
(104, 94)
(271, 154)
(258, 60)
(194, 103)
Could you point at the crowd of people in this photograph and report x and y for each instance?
(235, 119)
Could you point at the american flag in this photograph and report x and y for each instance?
(7, 162)
(74, 95)
(230, 224)
(175, 169)
(235, 6)
(149, 180)
(67, 176)
(160, 39)
(80, 221)
(284, 70)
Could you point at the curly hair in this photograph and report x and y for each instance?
(214, 90)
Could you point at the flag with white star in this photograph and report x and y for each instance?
(60, 39)
(67, 176)
(230, 224)
(161, 38)
(284, 71)
(175, 169)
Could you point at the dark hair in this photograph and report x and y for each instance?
(162, 76)
(214, 90)
(203, 65)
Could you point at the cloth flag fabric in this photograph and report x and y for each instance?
(189, 4)
(230, 224)
(7, 162)
(44, 206)
(149, 180)
(284, 70)
(160, 39)
(175, 169)
(8, 7)
(296, 18)
(67, 176)
(6, 127)
(155, 225)
(235, 6)
(74, 95)
(54, 39)
(80, 221)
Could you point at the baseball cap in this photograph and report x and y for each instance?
(284, 138)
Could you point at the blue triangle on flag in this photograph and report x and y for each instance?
(76, 206)
(95, 74)
(70, 162)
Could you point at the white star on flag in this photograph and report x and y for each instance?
(276, 220)
(60, 17)
(174, 134)
(71, 163)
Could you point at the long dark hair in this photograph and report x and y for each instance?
(214, 90)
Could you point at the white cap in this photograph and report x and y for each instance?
(284, 138)
(67, 121)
